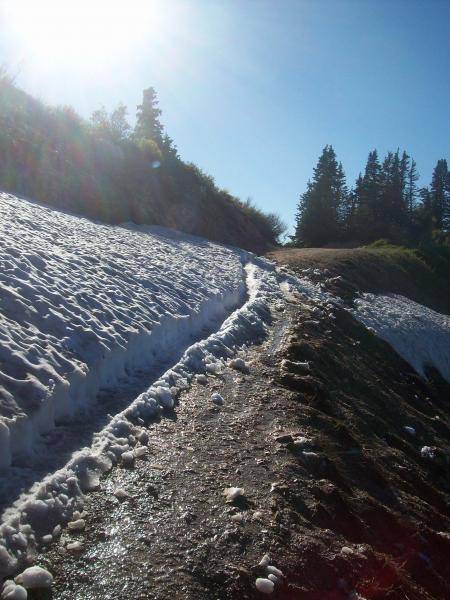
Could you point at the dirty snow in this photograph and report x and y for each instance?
(82, 303)
(82, 306)
(418, 334)
(35, 578)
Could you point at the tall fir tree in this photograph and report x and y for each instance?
(411, 187)
(148, 125)
(367, 200)
(440, 195)
(393, 208)
(320, 210)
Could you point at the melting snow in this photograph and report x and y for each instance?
(420, 335)
(82, 305)
(35, 577)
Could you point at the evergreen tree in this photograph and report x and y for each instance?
(351, 206)
(423, 214)
(320, 210)
(411, 187)
(393, 219)
(148, 125)
(440, 195)
(367, 200)
(168, 148)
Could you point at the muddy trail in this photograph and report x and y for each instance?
(334, 489)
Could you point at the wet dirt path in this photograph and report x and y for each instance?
(174, 535)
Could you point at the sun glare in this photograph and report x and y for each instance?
(85, 32)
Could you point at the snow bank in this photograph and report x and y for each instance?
(420, 335)
(83, 303)
(86, 302)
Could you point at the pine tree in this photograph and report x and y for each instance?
(411, 187)
(367, 199)
(423, 214)
(168, 148)
(320, 210)
(148, 125)
(351, 206)
(393, 207)
(440, 195)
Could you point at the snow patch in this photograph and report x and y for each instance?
(420, 335)
(83, 304)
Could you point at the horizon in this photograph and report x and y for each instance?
(250, 93)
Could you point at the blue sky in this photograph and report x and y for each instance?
(252, 90)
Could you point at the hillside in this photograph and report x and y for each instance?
(104, 171)
(197, 422)
(422, 274)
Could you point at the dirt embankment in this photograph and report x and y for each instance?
(335, 489)
(387, 269)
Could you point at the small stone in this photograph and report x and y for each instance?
(265, 586)
(140, 452)
(238, 364)
(75, 546)
(265, 561)
(232, 493)
(238, 518)
(128, 458)
(121, 494)
(215, 368)
(217, 399)
(143, 437)
(409, 430)
(428, 452)
(76, 526)
(274, 571)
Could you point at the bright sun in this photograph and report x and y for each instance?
(80, 32)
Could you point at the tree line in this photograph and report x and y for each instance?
(384, 203)
(107, 170)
